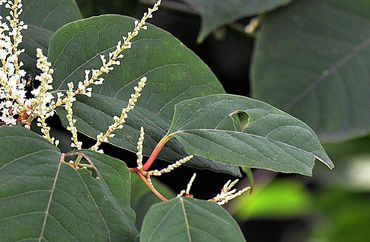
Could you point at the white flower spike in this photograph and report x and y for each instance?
(227, 194)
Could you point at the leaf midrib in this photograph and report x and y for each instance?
(49, 201)
(185, 219)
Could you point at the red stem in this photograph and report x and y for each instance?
(151, 187)
(154, 154)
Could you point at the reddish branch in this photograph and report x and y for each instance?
(151, 187)
(142, 172)
(154, 154)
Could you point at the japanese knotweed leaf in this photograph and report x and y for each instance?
(307, 64)
(189, 220)
(271, 139)
(43, 18)
(216, 13)
(174, 74)
(44, 199)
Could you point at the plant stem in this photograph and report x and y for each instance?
(78, 160)
(142, 172)
(156, 152)
(151, 187)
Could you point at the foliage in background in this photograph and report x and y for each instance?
(317, 55)
(216, 13)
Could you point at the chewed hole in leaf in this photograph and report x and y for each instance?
(240, 120)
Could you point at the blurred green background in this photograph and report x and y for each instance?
(332, 206)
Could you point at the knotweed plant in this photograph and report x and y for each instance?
(18, 108)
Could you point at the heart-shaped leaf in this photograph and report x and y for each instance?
(43, 198)
(43, 18)
(189, 220)
(271, 139)
(174, 74)
(216, 13)
(307, 64)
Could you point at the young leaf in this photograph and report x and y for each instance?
(45, 199)
(189, 220)
(43, 18)
(271, 139)
(174, 74)
(307, 64)
(216, 13)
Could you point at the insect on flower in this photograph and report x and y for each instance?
(30, 82)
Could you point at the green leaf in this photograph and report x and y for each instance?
(43, 18)
(311, 61)
(216, 13)
(142, 198)
(45, 199)
(189, 220)
(174, 74)
(271, 140)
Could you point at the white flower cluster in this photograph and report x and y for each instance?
(71, 120)
(43, 97)
(140, 147)
(188, 187)
(12, 83)
(119, 121)
(227, 194)
(171, 167)
(16, 108)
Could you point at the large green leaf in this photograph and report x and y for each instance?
(42, 198)
(189, 220)
(43, 18)
(271, 139)
(216, 13)
(174, 74)
(311, 61)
